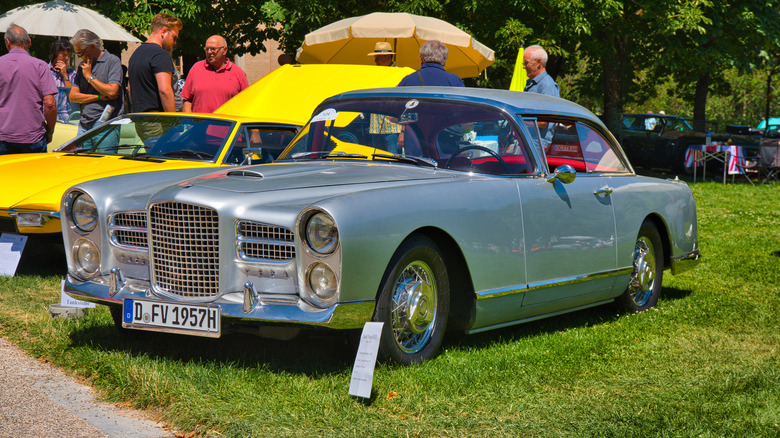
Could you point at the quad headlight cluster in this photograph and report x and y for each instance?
(81, 215)
(321, 241)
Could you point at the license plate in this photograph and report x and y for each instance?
(189, 319)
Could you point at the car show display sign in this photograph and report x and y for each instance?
(365, 360)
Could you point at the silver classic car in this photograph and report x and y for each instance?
(427, 209)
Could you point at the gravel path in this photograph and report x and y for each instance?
(37, 400)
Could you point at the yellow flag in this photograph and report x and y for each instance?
(519, 76)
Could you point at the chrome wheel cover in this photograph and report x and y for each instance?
(413, 307)
(640, 289)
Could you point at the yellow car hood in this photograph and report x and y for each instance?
(39, 185)
(293, 102)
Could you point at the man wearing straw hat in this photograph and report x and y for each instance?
(383, 54)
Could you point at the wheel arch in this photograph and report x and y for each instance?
(462, 297)
(663, 233)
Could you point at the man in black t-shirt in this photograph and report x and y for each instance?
(151, 68)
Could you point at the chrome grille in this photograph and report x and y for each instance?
(185, 249)
(129, 230)
(262, 242)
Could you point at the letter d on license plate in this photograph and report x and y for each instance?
(188, 319)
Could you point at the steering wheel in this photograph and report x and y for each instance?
(478, 148)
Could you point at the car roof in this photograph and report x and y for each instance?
(290, 93)
(514, 101)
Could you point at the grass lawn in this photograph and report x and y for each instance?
(704, 362)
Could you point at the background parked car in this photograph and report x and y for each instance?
(482, 219)
(661, 141)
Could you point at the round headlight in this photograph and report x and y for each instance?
(87, 256)
(84, 212)
(322, 235)
(322, 282)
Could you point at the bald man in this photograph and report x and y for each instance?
(213, 81)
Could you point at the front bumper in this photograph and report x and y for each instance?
(236, 307)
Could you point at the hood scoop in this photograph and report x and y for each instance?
(246, 173)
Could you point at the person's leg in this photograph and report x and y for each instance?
(37, 147)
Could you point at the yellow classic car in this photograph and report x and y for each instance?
(263, 118)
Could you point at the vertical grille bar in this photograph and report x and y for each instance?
(185, 249)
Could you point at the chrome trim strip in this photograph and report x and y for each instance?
(685, 262)
(50, 214)
(495, 293)
(537, 317)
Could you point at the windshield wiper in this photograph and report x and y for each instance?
(143, 156)
(408, 159)
(189, 153)
(327, 154)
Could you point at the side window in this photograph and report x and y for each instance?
(579, 146)
(598, 154)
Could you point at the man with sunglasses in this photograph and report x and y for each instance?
(151, 68)
(213, 81)
(98, 81)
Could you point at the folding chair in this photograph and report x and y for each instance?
(768, 163)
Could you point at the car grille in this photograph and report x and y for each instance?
(129, 230)
(261, 242)
(8, 225)
(185, 249)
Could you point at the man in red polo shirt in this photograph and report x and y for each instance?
(212, 82)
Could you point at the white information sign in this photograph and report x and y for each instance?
(365, 360)
(67, 300)
(11, 247)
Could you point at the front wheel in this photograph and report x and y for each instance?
(648, 259)
(413, 303)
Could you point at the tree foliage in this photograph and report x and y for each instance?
(606, 54)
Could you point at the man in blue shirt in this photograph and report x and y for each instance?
(535, 63)
(433, 56)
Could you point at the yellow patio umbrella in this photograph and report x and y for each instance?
(349, 41)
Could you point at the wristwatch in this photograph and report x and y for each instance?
(89, 81)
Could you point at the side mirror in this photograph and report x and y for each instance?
(249, 153)
(564, 174)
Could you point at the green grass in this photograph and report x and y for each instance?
(703, 363)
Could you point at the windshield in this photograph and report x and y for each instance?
(192, 138)
(452, 135)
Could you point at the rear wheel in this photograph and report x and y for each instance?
(645, 286)
(413, 303)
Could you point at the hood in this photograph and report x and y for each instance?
(313, 175)
(45, 177)
(296, 183)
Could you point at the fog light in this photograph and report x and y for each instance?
(87, 257)
(322, 282)
(29, 220)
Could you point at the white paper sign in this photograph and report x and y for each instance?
(11, 247)
(67, 300)
(365, 360)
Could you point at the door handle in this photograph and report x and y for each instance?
(604, 191)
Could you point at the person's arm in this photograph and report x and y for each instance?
(166, 91)
(186, 106)
(50, 114)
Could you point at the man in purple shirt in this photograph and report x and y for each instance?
(28, 110)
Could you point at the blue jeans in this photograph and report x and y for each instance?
(6, 147)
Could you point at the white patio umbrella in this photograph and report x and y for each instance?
(60, 18)
(348, 41)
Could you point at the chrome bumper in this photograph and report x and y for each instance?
(685, 262)
(340, 316)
